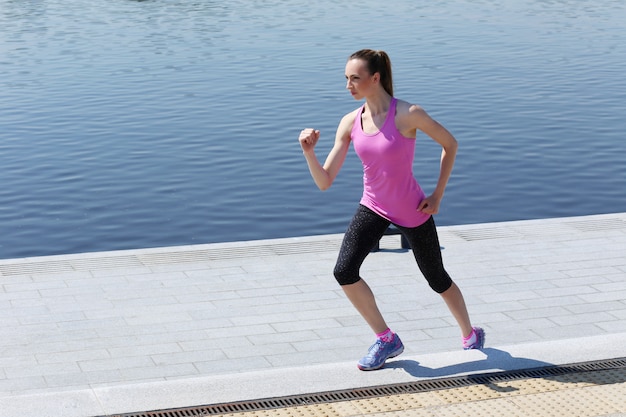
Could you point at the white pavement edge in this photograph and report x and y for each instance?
(120, 399)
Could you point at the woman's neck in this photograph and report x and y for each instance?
(378, 104)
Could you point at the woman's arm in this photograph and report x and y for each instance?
(325, 175)
(422, 121)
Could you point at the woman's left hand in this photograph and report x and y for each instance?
(429, 205)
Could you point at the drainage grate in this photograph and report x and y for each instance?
(486, 233)
(382, 391)
(598, 225)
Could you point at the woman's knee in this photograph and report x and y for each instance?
(345, 276)
(441, 284)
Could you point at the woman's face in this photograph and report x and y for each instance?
(358, 79)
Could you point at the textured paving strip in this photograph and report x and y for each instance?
(588, 394)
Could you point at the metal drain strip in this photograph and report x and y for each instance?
(532, 229)
(381, 391)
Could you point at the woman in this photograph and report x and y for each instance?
(383, 133)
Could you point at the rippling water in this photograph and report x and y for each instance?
(128, 124)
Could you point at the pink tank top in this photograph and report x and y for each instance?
(389, 187)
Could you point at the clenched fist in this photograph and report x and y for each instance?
(308, 139)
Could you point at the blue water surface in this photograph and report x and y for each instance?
(131, 124)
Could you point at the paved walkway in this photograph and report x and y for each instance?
(112, 332)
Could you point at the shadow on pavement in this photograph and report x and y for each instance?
(495, 360)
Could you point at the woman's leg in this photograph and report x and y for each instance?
(456, 304)
(364, 231)
(362, 298)
(425, 245)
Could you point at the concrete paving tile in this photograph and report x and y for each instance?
(19, 385)
(600, 272)
(569, 290)
(495, 307)
(570, 332)
(227, 366)
(87, 280)
(33, 332)
(304, 297)
(428, 346)
(61, 277)
(353, 332)
(289, 337)
(80, 380)
(613, 326)
(314, 346)
(604, 296)
(538, 313)
(33, 286)
(25, 359)
(260, 319)
(534, 287)
(326, 356)
(613, 307)
(306, 325)
(114, 363)
(20, 295)
(554, 300)
(225, 273)
(53, 318)
(426, 325)
(83, 304)
(611, 286)
(126, 271)
(209, 354)
(16, 372)
(338, 311)
(71, 356)
(620, 314)
(617, 277)
(143, 350)
(221, 340)
(156, 373)
(278, 294)
(162, 337)
(498, 335)
(250, 330)
(154, 317)
(510, 296)
(597, 317)
(196, 325)
(234, 302)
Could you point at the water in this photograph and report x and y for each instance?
(130, 124)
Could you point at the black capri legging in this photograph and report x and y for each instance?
(366, 229)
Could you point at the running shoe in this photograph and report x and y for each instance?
(480, 339)
(379, 352)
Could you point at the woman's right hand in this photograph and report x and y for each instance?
(308, 139)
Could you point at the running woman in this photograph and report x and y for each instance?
(383, 132)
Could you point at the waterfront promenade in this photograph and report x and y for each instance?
(127, 331)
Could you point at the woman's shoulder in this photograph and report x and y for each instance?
(405, 107)
(348, 119)
(345, 125)
(409, 117)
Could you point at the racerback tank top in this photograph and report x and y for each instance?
(389, 187)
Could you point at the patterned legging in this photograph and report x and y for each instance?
(366, 229)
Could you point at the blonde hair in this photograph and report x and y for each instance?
(377, 62)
